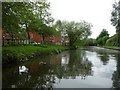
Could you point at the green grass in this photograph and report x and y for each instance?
(12, 54)
(112, 47)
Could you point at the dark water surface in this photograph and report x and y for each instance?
(90, 67)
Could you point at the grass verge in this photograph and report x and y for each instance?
(112, 47)
(13, 54)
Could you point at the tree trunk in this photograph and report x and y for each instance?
(70, 42)
(12, 37)
(43, 37)
(118, 38)
(28, 37)
(27, 33)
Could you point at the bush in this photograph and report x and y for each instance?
(89, 42)
(112, 41)
(8, 57)
(102, 41)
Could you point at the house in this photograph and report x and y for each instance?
(5, 35)
(34, 37)
(8, 39)
(53, 39)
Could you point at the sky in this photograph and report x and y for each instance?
(96, 12)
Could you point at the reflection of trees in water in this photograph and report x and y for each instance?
(78, 65)
(44, 75)
(116, 74)
(41, 78)
(104, 56)
(9, 75)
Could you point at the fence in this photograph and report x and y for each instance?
(9, 42)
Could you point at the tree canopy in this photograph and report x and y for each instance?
(102, 38)
(26, 16)
(103, 33)
(115, 19)
(74, 30)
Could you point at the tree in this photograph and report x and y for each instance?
(102, 38)
(103, 33)
(27, 16)
(74, 30)
(112, 41)
(15, 15)
(9, 18)
(43, 22)
(115, 19)
(89, 42)
(45, 30)
(39, 20)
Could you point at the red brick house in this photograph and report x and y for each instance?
(53, 39)
(34, 37)
(8, 39)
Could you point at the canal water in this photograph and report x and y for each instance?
(90, 67)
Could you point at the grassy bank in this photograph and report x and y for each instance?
(12, 54)
(112, 47)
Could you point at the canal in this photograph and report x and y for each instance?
(90, 67)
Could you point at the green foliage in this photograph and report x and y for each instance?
(103, 33)
(112, 41)
(7, 57)
(74, 30)
(9, 18)
(102, 38)
(18, 17)
(115, 15)
(12, 54)
(86, 42)
(115, 19)
(89, 42)
(45, 30)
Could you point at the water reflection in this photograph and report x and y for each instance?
(45, 73)
(103, 54)
(104, 61)
(116, 74)
(79, 65)
(104, 57)
(83, 67)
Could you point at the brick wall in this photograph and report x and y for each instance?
(35, 37)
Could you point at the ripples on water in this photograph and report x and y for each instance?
(91, 67)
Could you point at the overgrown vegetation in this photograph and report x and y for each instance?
(86, 42)
(115, 19)
(112, 41)
(102, 38)
(74, 30)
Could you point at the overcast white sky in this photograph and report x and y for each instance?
(96, 12)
